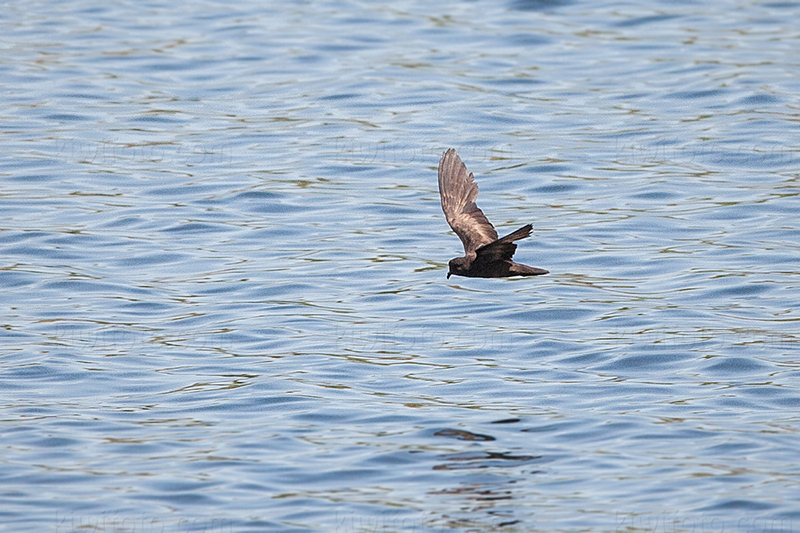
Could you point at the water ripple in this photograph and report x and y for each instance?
(225, 303)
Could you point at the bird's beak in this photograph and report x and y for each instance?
(449, 274)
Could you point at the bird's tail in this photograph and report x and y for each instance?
(521, 233)
(518, 269)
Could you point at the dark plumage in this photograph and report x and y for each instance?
(486, 256)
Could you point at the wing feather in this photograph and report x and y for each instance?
(458, 191)
(502, 249)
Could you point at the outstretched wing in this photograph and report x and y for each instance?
(458, 191)
(502, 249)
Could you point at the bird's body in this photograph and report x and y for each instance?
(486, 255)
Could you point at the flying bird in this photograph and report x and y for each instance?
(486, 256)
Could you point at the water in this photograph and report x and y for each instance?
(224, 303)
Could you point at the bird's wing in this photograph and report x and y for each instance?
(458, 191)
(502, 249)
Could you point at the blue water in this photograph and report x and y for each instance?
(224, 303)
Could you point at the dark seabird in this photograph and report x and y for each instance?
(486, 255)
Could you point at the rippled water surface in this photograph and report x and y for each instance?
(223, 259)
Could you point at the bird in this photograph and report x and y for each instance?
(486, 255)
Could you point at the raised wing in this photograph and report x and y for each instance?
(458, 192)
(502, 249)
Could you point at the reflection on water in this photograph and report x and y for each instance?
(225, 303)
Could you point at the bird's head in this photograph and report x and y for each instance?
(458, 266)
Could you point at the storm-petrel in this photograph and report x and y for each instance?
(486, 255)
